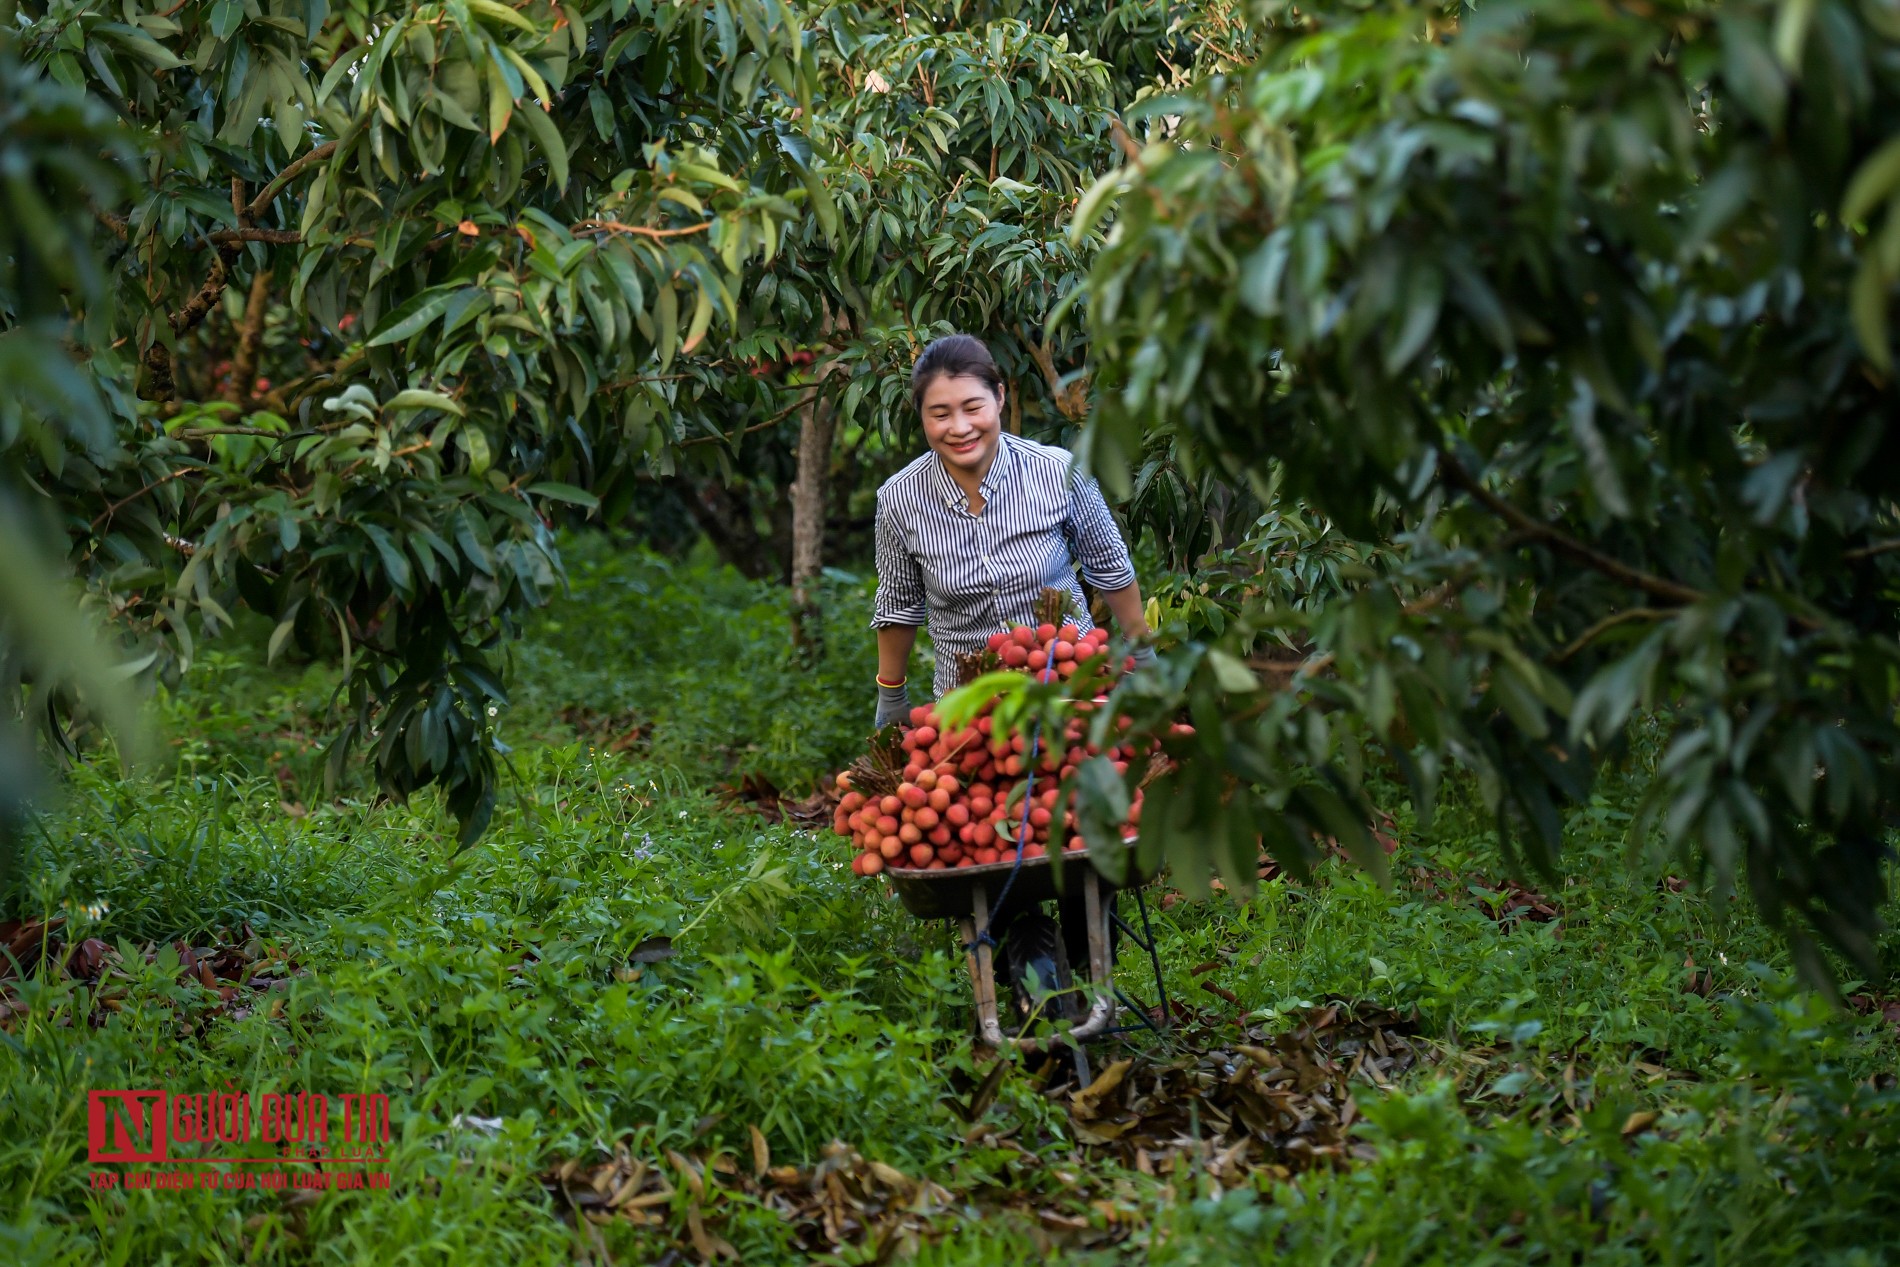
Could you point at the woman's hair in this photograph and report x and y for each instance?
(954, 356)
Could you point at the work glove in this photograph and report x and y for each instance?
(1144, 657)
(893, 705)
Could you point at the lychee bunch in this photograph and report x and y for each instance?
(958, 802)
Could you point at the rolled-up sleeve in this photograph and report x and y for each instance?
(900, 582)
(1098, 541)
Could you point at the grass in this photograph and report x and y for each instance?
(1583, 1105)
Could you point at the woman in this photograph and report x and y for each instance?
(972, 532)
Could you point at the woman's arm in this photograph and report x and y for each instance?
(1126, 604)
(1104, 558)
(894, 643)
(899, 610)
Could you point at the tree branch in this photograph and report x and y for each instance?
(158, 357)
(205, 433)
(1871, 551)
(250, 340)
(231, 237)
(639, 230)
(291, 171)
(199, 306)
(1670, 591)
(776, 418)
(1071, 401)
(115, 507)
(1608, 623)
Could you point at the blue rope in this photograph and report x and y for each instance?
(983, 938)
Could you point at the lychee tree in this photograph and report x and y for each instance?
(1577, 318)
(358, 296)
(952, 142)
(388, 288)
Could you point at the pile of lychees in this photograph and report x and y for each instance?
(956, 802)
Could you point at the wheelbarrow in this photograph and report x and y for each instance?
(969, 896)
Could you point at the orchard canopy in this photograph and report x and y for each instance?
(1491, 380)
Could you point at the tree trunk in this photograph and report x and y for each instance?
(250, 340)
(725, 516)
(817, 423)
(1072, 402)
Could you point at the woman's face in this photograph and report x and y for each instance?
(962, 419)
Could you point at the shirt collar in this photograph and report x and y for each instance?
(952, 492)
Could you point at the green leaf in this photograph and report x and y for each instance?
(474, 442)
(547, 139)
(1755, 80)
(1605, 480)
(501, 103)
(282, 632)
(225, 16)
(501, 13)
(702, 316)
(1424, 295)
(1867, 302)
(1102, 805)
(420, 398)
(554, 491)
(601, 107)
(395, 564)
(1791, 31)
(1876, 179)
(412, 316)
(669, 315)
(1230, 674)
(1261, 273)
(471, 533)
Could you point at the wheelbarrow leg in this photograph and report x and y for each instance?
(1101, 965)
(1101, 962)
(982, 968)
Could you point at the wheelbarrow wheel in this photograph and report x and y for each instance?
(1035, 965)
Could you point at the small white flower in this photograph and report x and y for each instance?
(493, 711)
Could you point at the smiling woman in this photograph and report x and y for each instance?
(969, 534)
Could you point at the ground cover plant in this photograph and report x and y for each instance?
(641, 980)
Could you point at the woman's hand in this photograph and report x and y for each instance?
(893, 662)
(893, 704)
(1125, 603)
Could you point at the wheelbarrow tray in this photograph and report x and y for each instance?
(950, 893)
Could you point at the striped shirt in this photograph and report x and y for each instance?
(967, 575)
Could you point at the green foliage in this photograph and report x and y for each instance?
(1578, 315)
(403, 286)
(496, 984)
(633, 648)
(496, 228)
(56, 147)
(1444, 1189)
